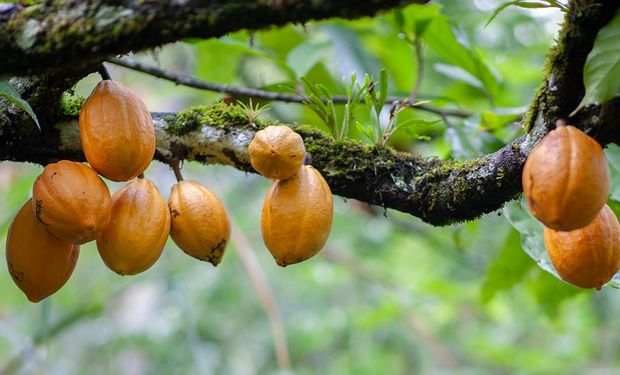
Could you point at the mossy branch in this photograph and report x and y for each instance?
(55, 34)
(440, 192)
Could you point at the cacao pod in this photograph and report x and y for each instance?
(566, 179)
(71, 201)
(277, 152)
(137, 233)
(39, 263)
(587, 257)
(297, 216)
(199, 223)
(116, 130)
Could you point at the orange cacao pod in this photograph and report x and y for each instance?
(566, 179)
(297, 216)
(587, 257)
(72, 201)
(39, 263)
(137, 233)
(199, 223)
(117, 132)
(277, 152)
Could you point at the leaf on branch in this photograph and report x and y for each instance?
(601, 73)
(7, 91)
(612, 152)
(305, 56)
(510, 267)
(526, 5)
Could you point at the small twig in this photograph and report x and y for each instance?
(238, 91)
(261, 285)
(417, 43)
(103, 72)
(394, 110)
(175, 165)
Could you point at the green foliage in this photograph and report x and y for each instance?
(508, 269)
(601, 74)
(527, 5)
(7, 91)
(321, 102)
(435, 30)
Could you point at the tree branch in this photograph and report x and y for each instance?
(439, 192)
(56, 34)
(249, 92)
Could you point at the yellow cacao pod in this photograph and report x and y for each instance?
(277, 152)
(297, 216)
(116, 130)
(199, 223)
(587, 257)
(566, 179)
(137, 233)
(39, 263)
(71, 201)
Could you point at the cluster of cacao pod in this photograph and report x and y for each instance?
(71, 205)
(298, 208)
(566, 182)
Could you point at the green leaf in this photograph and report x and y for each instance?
(499, 117)
(399, 18)
(510, 266)
(531, 232)
(550, 294)
(601, 74)
(457, 73)
(305, 56)
(438, 36)
(460, 144)
(7, 91)
(383, 89)
(522, 4)
(612, 152)
(418, 125)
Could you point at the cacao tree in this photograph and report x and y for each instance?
(412, 110)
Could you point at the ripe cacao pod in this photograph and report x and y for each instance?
(297, 216)
(566, 179)
(137, 233)
(116, 130)
(71, 201)
(277, 152)
(587, 257)
(39, 263)
(199, 223)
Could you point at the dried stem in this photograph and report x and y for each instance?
(261, 285)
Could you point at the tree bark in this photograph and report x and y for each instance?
(57, 34)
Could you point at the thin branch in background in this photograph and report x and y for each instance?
(238, 91)
(261, 285)
(440, 353)
(417, 44)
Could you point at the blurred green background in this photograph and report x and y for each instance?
(388, 294)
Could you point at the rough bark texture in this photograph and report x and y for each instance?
(56, 34)
(439, 192)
